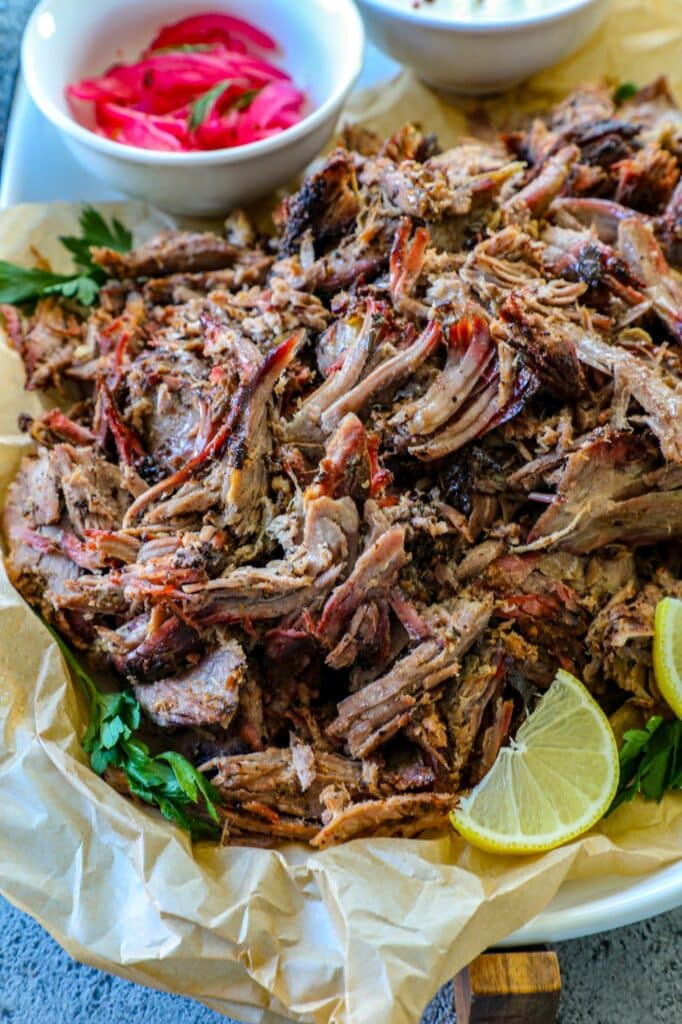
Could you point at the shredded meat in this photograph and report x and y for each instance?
(335, 504)
(169, 254)
(403, 815)
(205, 694)
(375, 713)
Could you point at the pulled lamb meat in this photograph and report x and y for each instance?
(338, 503)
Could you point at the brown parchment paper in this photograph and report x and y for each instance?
(361, 934)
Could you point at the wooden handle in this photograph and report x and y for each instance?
(518, 987)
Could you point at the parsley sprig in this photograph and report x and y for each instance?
(24, 284)
(168, 780)
(650, 761)
(96, 231)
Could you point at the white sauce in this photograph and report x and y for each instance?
(482, 10)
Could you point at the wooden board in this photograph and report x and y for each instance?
(516, 987)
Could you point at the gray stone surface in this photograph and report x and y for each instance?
(13, 14)
(630, 975)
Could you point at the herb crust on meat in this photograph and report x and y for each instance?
(336, 504)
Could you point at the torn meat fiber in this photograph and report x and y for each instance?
(337, 505)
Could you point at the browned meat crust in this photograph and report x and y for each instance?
(205, 694)
(336, 504)
(405, 815)
(169, 254)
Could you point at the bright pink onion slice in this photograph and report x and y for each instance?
(176, 100)
(210, 28)
(142, 130)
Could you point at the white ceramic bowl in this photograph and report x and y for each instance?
(322, 43)
(457, 51)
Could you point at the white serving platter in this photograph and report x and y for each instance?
(37, 167)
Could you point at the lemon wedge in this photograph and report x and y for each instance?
(668, 651)
(556, 779)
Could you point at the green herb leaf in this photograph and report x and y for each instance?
(650, 761)
(101, 759)
(175, 814)
(82, 288)
(22, 284)
(625, 91)
(112, 732)
(168, 780)
(635, 740)
(210, 794)
(96, 231)
(200, 829)
(184, 48)
(184, 773)
(191, 780)
(244, 101)
(26, 284)
(200, 109)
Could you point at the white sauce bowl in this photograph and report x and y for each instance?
(321, 41)
(475, 55)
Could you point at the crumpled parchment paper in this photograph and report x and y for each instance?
(361, 934)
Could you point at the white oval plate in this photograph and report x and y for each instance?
(580, 907)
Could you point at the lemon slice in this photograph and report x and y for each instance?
(668, 651)
(556, 779)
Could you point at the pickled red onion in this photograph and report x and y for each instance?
(211, 28)
(197, 86)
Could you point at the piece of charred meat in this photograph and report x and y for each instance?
(336, 504)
